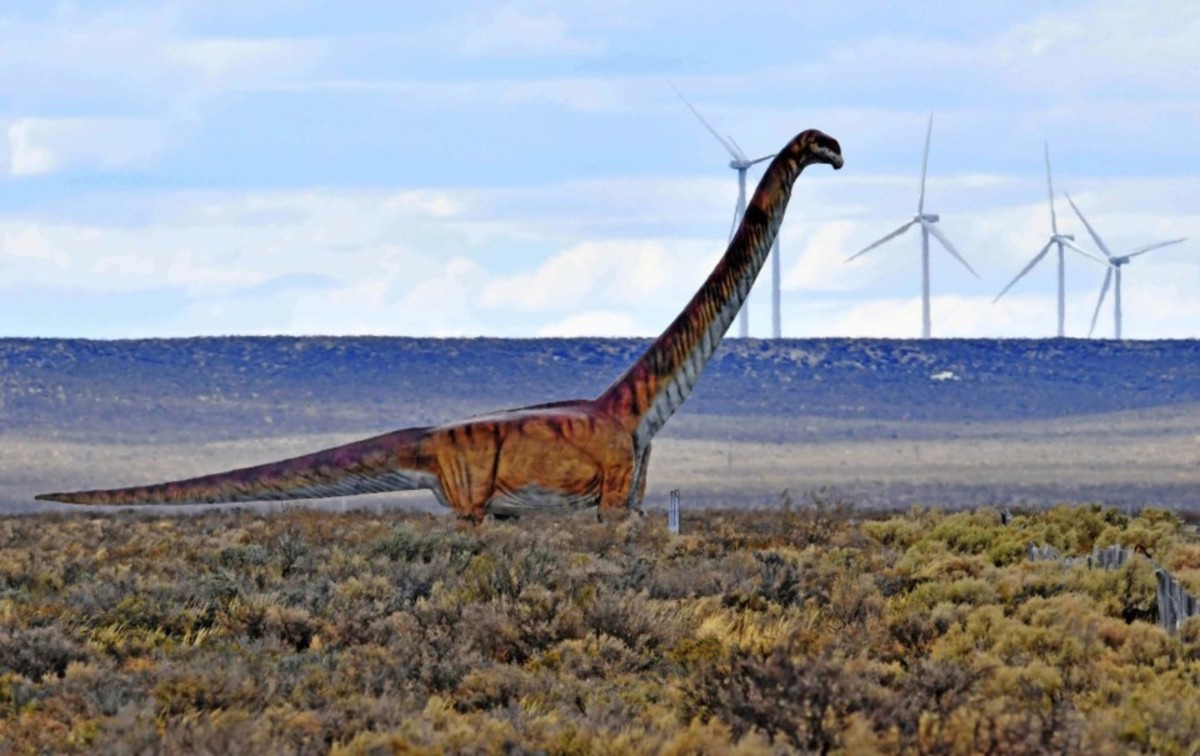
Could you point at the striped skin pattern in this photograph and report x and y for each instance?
(562, 455)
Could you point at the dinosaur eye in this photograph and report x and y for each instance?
(828, 143)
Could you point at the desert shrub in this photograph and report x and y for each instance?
(503, 577)
(810, 629)
(1189, 639)
(916, 708)
(632, 619)
(897, 532)
(822, 514)
(781, 580)
(241, 557)
(686, 578)
(516, 630)
(38, 651)
(454, 548)
(855, 602)
(745, 692)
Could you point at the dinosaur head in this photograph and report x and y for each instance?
(814, 146)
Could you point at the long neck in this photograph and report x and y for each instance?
(654, 387)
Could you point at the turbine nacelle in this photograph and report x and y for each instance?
(925, 221)
(1115, 262)
(740, 163)
(1062, 237)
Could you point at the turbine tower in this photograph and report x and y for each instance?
(1062, 240)
(740, 163)
(926, 221)
(1115, 263)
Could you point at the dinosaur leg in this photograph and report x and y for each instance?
(616, 488)
(641, 475)
(467, 458)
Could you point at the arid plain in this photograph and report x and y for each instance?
(883, 424)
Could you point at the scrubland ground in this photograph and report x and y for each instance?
(1122, 458)
(811, 627)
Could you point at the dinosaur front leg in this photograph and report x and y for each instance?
(641, 473)
(617, 488)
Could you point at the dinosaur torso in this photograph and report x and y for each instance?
(562, 455)
(548, 457)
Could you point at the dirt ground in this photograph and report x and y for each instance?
(1136, 458)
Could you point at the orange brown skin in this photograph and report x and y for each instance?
(568, 454)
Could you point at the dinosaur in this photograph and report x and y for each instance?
(561, 455)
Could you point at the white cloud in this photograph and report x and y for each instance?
(443, 304)
(428, 202)
(218, 271)
(587, 94)
(224, 64)
(136, 54)
(952, 316)
(472, 261)
(48, 145)
(513, 33)
(617, 271)
(31, 242)
(1104, 45)
(821, 263)
(595, 323)
(125, 265)
(1105, 49)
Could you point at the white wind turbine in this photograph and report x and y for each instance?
(926, 221)
(1114, 265)
(741, 164)
(1062, 240)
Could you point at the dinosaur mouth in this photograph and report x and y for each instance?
(833, 158)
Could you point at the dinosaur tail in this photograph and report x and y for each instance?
(396, 461)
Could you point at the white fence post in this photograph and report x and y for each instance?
(673, 512)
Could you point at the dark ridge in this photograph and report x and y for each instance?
(240, 387)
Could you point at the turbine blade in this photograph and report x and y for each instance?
(887, 238)
(736, 146)
(1100, 301)
(1090, 230)
(1084, 252)
(1050, 192)
(1036, 259)
(759, 160)
(925, 166)
(732, 152)
(1152, 247)
(733, 226)
(949, 247)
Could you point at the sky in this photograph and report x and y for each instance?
(524, 169)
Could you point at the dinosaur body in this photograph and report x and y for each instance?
(569, 454)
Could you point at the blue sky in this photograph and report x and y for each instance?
(524, 169)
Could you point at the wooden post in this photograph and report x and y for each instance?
(1175, 605)
(1166, 602)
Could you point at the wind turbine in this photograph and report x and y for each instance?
(926, 221)
(741, 164)
(1062, 240)
(1115, 263)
